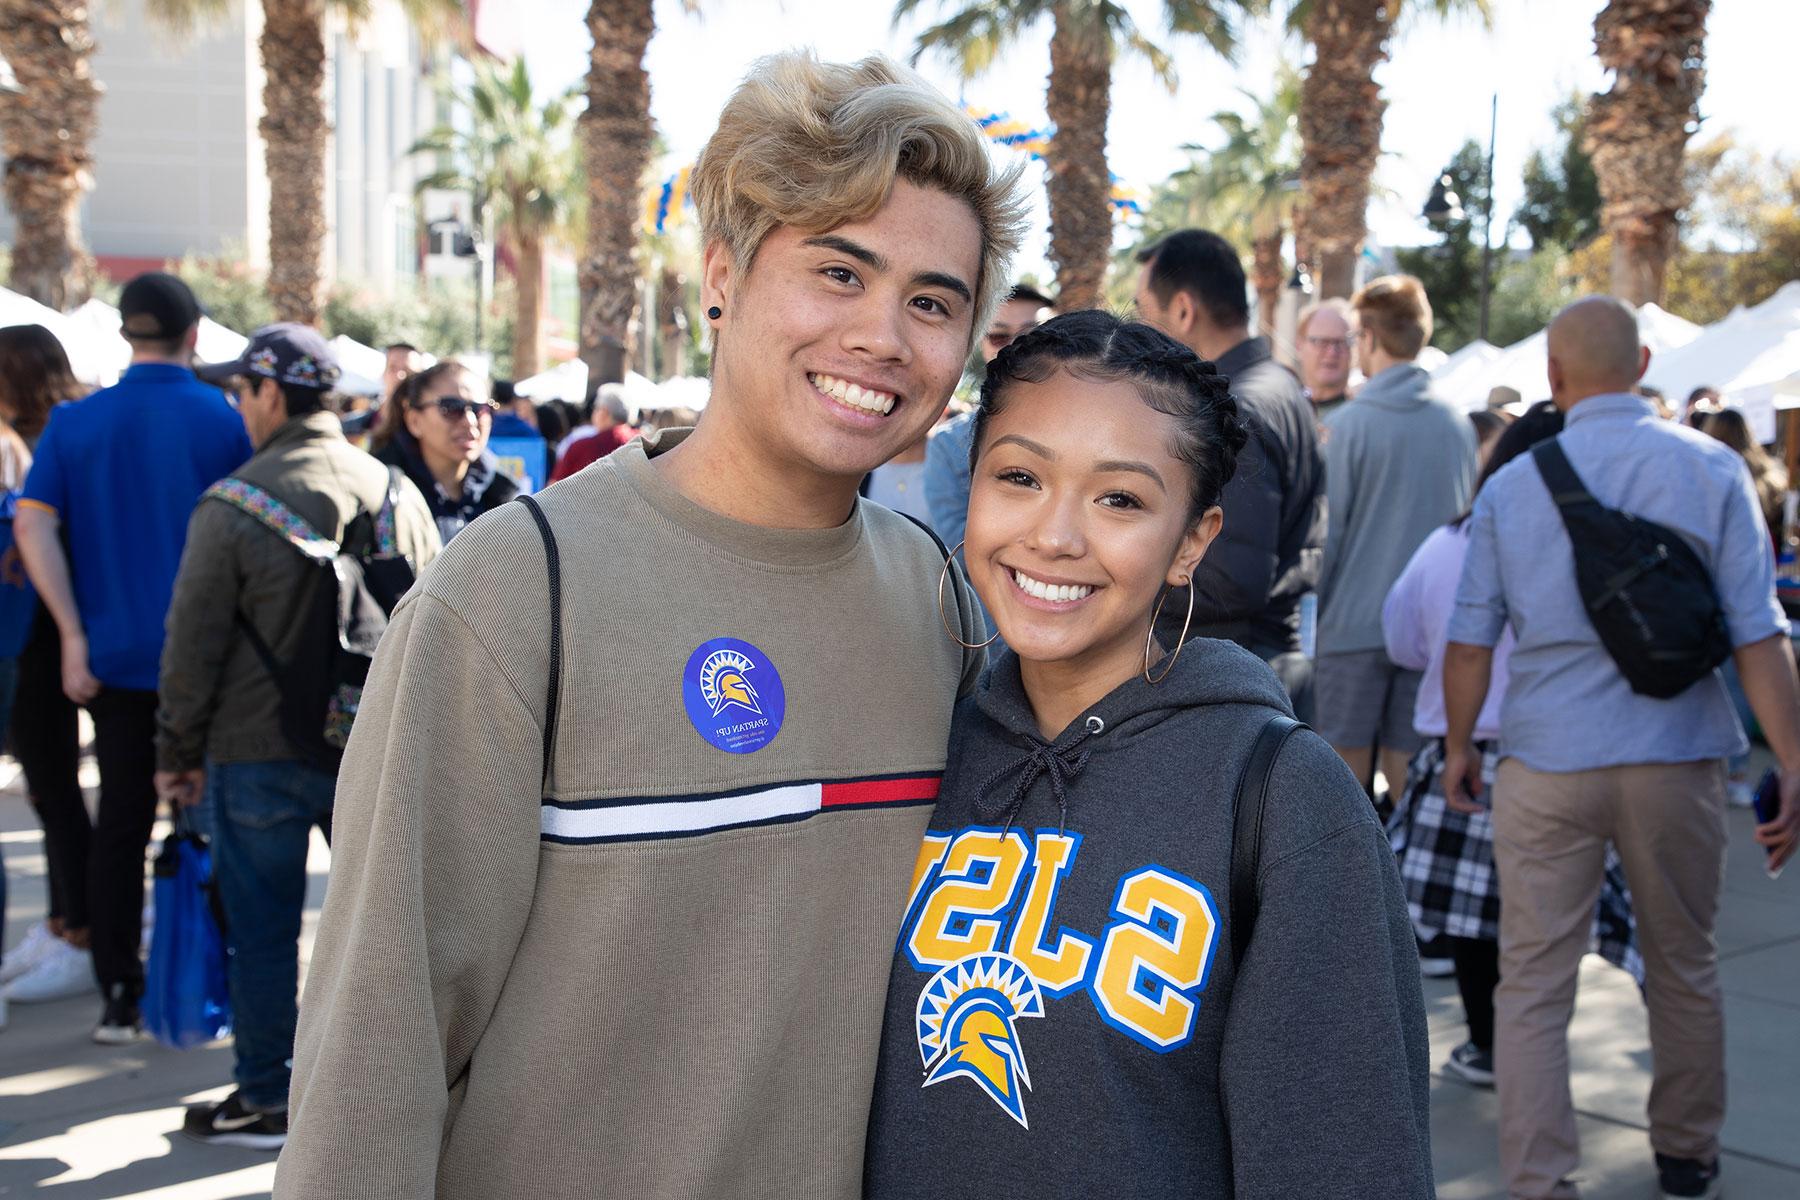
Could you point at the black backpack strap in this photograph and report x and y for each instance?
(930, 533)
(1246, 827)
(553, 562)
(1565, 485)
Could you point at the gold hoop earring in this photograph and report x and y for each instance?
(944, 616)
(1150, 637)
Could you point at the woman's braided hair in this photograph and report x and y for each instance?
(1170, 378)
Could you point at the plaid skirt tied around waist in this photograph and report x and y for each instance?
(1446, 861)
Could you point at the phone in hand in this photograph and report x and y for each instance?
(1768, 807)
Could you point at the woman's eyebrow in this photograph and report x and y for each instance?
(1136, 468)
(1041, 451)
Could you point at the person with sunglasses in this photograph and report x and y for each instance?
(436, 429)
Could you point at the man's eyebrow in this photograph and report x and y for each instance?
(949, 283)
(1137, 468)
(843, 245)
(868, 257)
(1041, 451)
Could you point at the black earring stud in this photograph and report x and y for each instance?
(714, 313)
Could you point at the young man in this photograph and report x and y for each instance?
(1588, 760)
(1399, 463)
(1251, 584)
(119, 474)
(219, 728)
(655, 965)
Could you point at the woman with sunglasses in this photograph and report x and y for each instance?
(1082, 1002)
(435, 428)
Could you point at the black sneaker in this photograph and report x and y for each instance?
(120, 1023)
(231, 1123)
(1687, 1178)
(1434, 959)
(1472, 1064)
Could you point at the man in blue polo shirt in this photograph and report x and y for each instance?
(117, 475)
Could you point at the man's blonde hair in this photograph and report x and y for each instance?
(817, 145)
(1396, 310)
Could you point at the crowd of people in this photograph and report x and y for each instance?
(839, 793)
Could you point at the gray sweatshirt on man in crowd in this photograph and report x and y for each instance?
(1399, 462)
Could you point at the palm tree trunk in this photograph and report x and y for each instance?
(1638, 132)
(615, 132)
(1341, 111)
(46, 131)
(1267, 276)
(528, 322)
(294, 135)
(1079, 187)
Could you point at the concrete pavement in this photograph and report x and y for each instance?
(85, 1122)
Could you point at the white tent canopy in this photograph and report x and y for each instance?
(1524, 366)
(96, 326)
(1451, 377)
(1752, 357)
(568, 381)
(360, 366)
(86, 350)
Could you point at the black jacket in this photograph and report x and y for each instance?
(1248, 587)
(484, 487)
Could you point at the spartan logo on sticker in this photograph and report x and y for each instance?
(967, 1027)
(723, 683)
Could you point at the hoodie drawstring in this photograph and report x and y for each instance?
(1061, 764)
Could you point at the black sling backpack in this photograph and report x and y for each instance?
(355, 586)
(1647, 593)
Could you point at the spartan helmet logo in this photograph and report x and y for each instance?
(723, 682)
(967, 1019)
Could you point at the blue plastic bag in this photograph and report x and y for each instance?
(186, 1002)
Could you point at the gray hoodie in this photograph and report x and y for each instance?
(1064, 1016)
(1399, 462)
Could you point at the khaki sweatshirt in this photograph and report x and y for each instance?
(662, 974)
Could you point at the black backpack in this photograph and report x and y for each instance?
(1647, 593)
(355, 588)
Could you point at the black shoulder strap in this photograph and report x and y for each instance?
(1565, 485)
(553, 563)
(930, 533)
(1246, 828)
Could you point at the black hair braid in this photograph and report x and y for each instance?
(1170, 378)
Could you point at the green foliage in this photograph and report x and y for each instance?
(513, 155)
(979, 30)
(1561, 205)
(229, 291)
(1526, 294)
(1451, 269)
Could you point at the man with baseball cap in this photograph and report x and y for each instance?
(118, 475)
(241, 607)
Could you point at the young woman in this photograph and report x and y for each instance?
(52, 960)
(1446, 856)
(437, 432)
(1066, 1015)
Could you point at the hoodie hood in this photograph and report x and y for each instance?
(1402, 388)
(1210, 673)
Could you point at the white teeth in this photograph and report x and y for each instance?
(1054, 593)
(853, 395)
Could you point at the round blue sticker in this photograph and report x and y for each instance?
(733, 695)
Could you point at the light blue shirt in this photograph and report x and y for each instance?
(947, 478)
(1567, 706)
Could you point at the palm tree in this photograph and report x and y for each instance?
(615, 137)
(1247, 190)
(1341, 111)
(295, 129)
(515, 158)
(1086, 37)
(46, 129)
(1638, 131)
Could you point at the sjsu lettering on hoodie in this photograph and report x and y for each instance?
(982, 890)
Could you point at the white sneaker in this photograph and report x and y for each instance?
(63, 973)
(37, 942)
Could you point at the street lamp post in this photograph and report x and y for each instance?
(1444, 206)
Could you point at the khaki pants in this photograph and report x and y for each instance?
(1550, 835)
